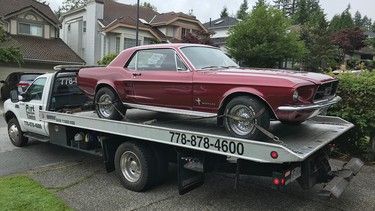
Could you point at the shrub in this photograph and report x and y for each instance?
(107, 59)
(358, 107)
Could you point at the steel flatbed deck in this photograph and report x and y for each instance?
(298, 142)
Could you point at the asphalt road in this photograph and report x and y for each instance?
(81, 181)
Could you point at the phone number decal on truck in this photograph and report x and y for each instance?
(220, 145)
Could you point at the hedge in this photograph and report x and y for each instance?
(358, 107)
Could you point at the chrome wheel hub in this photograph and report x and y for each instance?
(130, 166)
(13, 133)
(244, 125)
(105, 105)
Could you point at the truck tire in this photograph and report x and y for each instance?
(135, 166)
(106, 101)
(15, 134)
(245, 107)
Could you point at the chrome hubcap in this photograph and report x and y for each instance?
(243, 126)
(130, 166)
(13, 133)
(105, 106)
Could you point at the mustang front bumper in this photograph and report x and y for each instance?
(302, 112)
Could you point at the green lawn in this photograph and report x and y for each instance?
(23, 193)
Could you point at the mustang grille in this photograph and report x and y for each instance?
(326, 91)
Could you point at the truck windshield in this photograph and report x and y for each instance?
(206, 57)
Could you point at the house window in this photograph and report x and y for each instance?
(184, 32)
(84, 26)
(128, 43)
(117, 45)
(31, 29)
(30, 17)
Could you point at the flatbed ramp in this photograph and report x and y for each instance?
(297, 142)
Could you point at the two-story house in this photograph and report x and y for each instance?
(220, 30)
(102, 27)
(35, 29)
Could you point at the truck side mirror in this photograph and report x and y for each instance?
(14, 96)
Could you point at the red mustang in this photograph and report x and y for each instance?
(201, 80)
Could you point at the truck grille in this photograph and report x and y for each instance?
(326, 91)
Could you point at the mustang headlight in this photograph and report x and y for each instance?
(295, 96)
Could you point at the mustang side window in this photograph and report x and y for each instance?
(156, 60)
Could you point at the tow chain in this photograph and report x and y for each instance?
(237, 118)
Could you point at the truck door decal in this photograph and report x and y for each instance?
(30, 112)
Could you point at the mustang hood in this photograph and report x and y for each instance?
(316, 78)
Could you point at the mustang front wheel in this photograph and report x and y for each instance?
(239, 118)
(108, 104)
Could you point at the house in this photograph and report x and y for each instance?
(366, 53)
(103, 27)
(220, 30)
(35, 29)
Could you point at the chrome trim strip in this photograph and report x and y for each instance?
(170, 110)
(313, 106)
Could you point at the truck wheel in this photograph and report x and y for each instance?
(15, 133)
(105, 100)
(135, 166)
(245, 107)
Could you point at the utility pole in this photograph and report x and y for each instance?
(137, 28)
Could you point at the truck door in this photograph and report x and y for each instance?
(30, 107)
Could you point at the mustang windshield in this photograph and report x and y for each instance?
(205, 58)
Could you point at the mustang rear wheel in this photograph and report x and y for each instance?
(108, 105)
(239, 120)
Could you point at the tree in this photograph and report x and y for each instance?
(287, 6)
(343, 21)
(366, 23)
(107, 59)
(8, 53)
(305, 10)
(317, 39)
(358, 19)
(68, 5)
(373, 27)
(147, 5)
(242, 12)
(263, 40)
(224, 12)
(349, 40)
(260, 3)
(200, 37)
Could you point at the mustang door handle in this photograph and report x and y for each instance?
(137, 74)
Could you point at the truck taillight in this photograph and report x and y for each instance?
(276, 181)
(274, 154)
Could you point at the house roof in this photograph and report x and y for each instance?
(45, 50)
(114, 10)
(221, 23)
(164, 18)
(10, 7)
(370, 34)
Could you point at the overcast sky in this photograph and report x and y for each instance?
(206, 9)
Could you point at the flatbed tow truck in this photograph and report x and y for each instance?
(140, 147)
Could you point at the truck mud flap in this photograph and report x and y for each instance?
(190, 171)
(341, 179)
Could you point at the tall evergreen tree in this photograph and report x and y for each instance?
(366, 23)
(358, 19)
(242, 12)
(343, 21)
(260, 3)
(224, 12)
